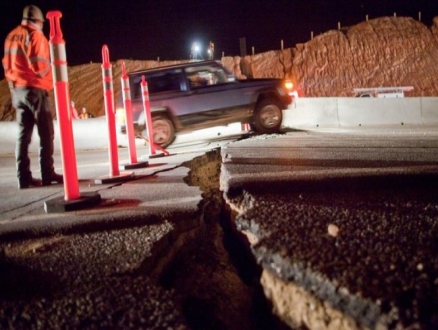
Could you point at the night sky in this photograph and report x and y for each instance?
(145, 30)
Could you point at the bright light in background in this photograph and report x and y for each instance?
(195, 51)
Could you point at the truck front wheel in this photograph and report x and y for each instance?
(164, 131)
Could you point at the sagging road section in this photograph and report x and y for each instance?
(345, 225)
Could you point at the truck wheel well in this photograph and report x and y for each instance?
(161, 111)
(265, 96)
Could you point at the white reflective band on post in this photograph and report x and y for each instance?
(61, 73)
(108, 86)
(107, 73)
(126, 94)
(58, 54)
(125, 88)
(59, 62)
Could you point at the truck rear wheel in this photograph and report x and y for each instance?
(268, 117)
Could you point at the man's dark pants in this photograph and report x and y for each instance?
(33, 107)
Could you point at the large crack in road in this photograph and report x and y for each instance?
(216, 276)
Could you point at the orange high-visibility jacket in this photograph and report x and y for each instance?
(27, 59)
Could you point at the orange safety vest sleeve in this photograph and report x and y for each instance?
(26, 60)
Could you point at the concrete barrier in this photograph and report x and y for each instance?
(429, 110)
(349, 112)
(379, 111)
(312, 112)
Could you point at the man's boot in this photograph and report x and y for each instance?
(54, 178)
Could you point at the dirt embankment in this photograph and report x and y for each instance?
(387, 51)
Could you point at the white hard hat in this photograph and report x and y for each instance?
(32, 12)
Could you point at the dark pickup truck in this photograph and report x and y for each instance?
(197, 95)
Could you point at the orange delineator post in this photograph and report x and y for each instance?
(108, 91)
(148, 115)
(126, 92)
(62, 101)
(72, 200)
(107, 79)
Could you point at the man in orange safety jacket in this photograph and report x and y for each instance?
(26, 63)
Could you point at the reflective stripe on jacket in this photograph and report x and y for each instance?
(27, 58)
